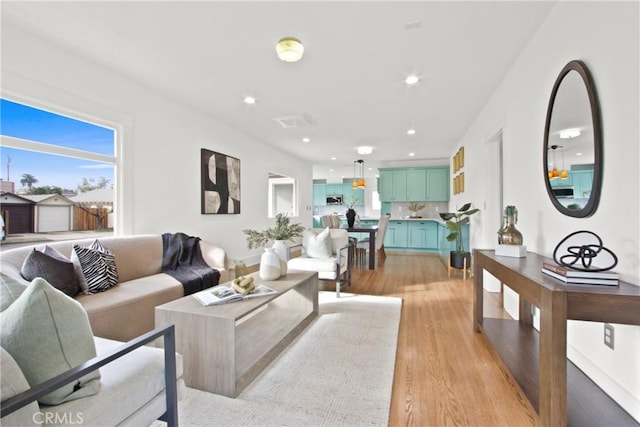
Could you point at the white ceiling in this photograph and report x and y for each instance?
(350, 80)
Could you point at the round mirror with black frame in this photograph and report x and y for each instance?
(572, 152)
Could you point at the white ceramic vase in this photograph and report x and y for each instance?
(269, 265)
(281, 250)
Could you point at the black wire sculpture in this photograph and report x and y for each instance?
(578, 249)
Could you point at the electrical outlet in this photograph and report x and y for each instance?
(609, 336)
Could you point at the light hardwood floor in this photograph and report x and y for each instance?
(445, 373)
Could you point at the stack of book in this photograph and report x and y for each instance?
(579, 277)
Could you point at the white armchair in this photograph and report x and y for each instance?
(326, 251)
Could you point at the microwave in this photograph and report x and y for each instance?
(334, 199)
(563, 193)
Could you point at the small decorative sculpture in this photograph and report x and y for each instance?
(585, 247)
(509, 234)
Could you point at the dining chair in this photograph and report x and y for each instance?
(363, 245)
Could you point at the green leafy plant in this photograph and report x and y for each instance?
(353, 202)
(454, 224)
(415, 207)
(282, 231)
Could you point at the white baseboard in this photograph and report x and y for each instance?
(617, 392)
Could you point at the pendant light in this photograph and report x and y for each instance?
(358, 182)
(563, 173)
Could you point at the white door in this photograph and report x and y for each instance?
(53, 218)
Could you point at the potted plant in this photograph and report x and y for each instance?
(282, 231)
(454, 221)
(415, 207)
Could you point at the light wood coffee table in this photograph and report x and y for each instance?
(224, 347)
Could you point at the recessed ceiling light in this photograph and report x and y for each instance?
(412, 154)
(411, 80)
(363, 149)
(578, 154)
(411, 132)
(333, 158)
(249, 100)
(330, 170)
(305, 139)
(569, 133)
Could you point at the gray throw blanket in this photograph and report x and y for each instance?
(182, 259)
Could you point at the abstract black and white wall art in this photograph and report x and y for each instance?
(220, 183)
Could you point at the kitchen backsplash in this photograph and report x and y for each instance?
(431, 210)
(397, 210)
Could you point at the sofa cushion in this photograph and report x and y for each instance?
(317, 245)
(52, 266)
(127, 384)
(10, 290)
(305, 263)
(127, 310)
(48, 333)
(12, 382)
(97, 267)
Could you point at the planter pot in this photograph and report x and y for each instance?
(269, 265)
(281, 250)
(456, 259)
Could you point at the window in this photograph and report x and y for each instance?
(282, 195)
(45, 153)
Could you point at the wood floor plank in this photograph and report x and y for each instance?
(446, 374)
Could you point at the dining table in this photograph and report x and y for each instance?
(371, 230)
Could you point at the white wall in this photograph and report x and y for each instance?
(160, 149)
(605, 35)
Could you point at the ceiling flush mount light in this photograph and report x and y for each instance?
(305, 139)
(358, 180)
(249, 100)
(363, 149)
(569, 133)
(289, 49)
(411, 132)
(412, 154)
(411, 80)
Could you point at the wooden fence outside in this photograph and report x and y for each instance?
(86, 219)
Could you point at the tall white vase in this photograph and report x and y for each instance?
(269, 265)
(281, 250)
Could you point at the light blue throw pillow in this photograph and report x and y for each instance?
(48, 333)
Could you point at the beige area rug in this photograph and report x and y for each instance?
(338, 372)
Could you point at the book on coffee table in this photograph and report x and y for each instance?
(222, 294)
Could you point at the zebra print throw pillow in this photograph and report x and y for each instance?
(98, 267)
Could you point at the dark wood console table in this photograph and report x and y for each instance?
(557, 303)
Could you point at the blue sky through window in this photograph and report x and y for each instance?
(29, 123)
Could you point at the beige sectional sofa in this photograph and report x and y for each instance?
(126, 310)
(134, 389)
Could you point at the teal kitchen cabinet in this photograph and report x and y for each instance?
(333, 189)
(582, 183)
(417, 185)
(396, 236)
(428, 184)
(422, 234)
(393, 185)
(399, 192)
(437, 184)
(352, 194)
(559, 182)
(319, 194)
(385, 185)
